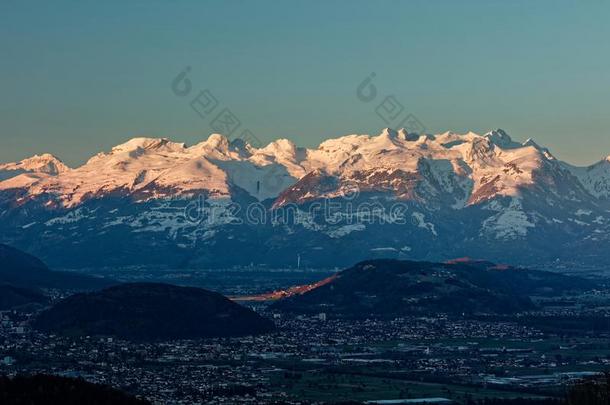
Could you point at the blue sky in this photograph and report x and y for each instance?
(80, 77)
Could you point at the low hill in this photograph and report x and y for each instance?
(393, 288)
(48, 390)
(149, 311)
(20, 269)
(13, 297)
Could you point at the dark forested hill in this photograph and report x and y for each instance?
(11, 297)
(394, 287)
(147, 311)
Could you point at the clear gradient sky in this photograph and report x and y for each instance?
(78, 77)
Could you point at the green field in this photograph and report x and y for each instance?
(332, 387)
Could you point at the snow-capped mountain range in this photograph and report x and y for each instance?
(485, 196)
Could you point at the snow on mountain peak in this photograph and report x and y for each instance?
(148, 144)
(45, 163)
(389, 133)
(217, 141)
(595, 178)
(217, 146)
(471, 167)
(282, 146)
(28, 171)
(532, 143)
(404, 135)
(500, 138)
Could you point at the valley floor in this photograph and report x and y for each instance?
(313, 360)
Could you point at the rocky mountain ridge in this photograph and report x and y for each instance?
(400, 195)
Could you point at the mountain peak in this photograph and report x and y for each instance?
(388, 132)
(500, 138)
(44, 163)
(280, 150)
(46, 157)
(145, 143)
(217, 141)
(282, 144)
(406, 136)
(532, 143)
(541, 149)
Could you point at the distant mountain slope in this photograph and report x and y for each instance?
(11, 297)
(20, 269)
(396, 194)
(390, 288)
(144, 312)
